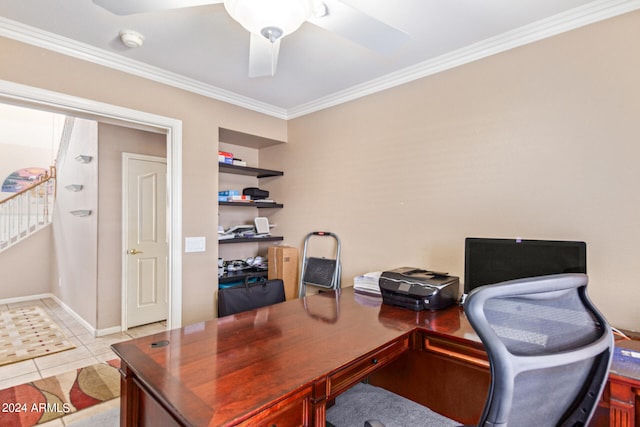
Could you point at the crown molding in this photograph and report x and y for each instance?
(554, 25)
(578, 17)
(53, 42)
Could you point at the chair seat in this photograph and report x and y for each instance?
(365, 402)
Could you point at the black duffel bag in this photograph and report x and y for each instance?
(251, 295)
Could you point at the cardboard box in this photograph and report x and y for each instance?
(283, 264)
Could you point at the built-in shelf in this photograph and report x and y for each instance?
(251, 240)
(237, 139)
(74, 187)
(239, 276)
(248, 171)
(252, 205)
(83, 158)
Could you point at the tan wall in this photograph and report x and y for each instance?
(200, 117)
(27, 275)
(539, 142)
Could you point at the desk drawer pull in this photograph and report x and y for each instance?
(374, 361)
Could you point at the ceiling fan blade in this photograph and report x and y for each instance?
(359, 27)
(129, 7)
(263, 56)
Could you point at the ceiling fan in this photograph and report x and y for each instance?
(268, 21)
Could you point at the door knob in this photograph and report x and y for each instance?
(134, 251)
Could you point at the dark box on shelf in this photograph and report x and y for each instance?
(255, 193)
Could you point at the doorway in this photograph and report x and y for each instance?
(13, 93)
(144, 199)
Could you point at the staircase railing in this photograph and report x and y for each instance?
(27, 211)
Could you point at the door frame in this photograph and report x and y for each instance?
(27, 96)
(126, 156)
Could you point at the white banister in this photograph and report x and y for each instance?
(26, 212)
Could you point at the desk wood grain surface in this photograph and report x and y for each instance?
(225, 370)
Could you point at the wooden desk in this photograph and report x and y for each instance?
(280, 365)
(620, 405)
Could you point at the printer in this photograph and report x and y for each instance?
(418, 289)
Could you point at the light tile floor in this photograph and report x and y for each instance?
(89, 350)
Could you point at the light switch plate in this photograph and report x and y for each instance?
(195, 244)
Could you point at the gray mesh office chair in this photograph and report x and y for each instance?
(549, 350)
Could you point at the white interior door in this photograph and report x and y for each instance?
(145, 239)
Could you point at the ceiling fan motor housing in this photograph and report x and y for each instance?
(271, 33)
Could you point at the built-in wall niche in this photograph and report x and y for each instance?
(233, 213)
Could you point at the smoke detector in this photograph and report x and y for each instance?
(131, 38)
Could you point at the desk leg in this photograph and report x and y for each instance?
(128, 398)
(320, 414)
(621, 405)
(319, 401)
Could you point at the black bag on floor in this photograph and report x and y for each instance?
(246, 297)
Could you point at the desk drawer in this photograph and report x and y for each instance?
(291, 412)
(457, 351)
(357, 371)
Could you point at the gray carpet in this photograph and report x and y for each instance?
(365, 402)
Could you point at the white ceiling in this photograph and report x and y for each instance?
(203, 50)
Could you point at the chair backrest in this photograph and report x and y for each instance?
(549, 349)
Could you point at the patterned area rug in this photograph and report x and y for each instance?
(29, 332)
(43, 400)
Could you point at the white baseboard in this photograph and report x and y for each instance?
(93, 331)
(23, 299)
(75, 315)
(108, 331)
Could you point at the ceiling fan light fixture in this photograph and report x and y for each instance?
(271, 19)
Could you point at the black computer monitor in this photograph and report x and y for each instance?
(488, 261)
